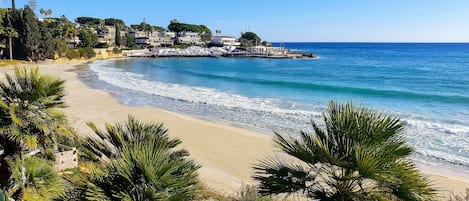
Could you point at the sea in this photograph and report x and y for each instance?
(424, 84)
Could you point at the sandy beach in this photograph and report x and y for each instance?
(226, 153)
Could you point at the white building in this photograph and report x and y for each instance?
(187, 37)
(267, 51)
(72, 42)
(224, 40)
(107, 34)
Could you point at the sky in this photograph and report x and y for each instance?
(289, 20)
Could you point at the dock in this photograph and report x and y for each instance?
(213, 52)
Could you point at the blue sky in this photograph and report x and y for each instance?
(292, 20)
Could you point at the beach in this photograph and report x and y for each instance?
(225, 152)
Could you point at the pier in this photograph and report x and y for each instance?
(194, 51)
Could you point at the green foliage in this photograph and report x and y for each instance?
(29, 119)
(137, 162)
(45, 12)
(251, 36)
(267, 44)
(129, 41)
(87, 52)
(91, 21)
(113, 22)
(146, 27)
(359, 155)
(249, 193)
(101, 45)
(118, 37)
(60, 46)
(116, 50)
(249, 39)
(87, 38)
(180, 27)
(42, 182)
(34, 39)
(72, 54)
(158, 28)
(30, 36)
(46, 44)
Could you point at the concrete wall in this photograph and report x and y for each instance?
(65, 160)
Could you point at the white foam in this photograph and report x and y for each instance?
(138, 82)
(431, 138)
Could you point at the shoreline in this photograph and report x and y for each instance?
(225, 151)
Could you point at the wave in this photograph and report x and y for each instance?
(201, 95)
(439, 141)
(340, 89)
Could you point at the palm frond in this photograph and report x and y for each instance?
(359, 154)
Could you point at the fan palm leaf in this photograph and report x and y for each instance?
(29, 118)
(359, 154)
(138, 161)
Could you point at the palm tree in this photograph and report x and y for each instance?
(137, 162)
(29, 119)
(13, 5)
(38, 178)
(359, 155)
(10, 32)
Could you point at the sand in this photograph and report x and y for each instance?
(225, 152)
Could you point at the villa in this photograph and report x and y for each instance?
(225, 41)
(187, 37)
(72, 42)
(107, 35)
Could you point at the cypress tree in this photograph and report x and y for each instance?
(118, 38)
(46, 45)
(30, 36)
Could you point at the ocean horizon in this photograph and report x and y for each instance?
(424, 84)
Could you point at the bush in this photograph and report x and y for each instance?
(87, 52)
(250, 193)
(116, 50)
(72, 54)
(102, 45)
(60, 46)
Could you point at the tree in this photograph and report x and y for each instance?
(359, 155)
(87, 38)
(89, 21)
(13, 4)
(218, 31)
(138, 161)
(68, 30)
(46, 44)
(10, 33)
(14, 20)
(40, 181)
(177, 27)
(29, 120)
(266, 44)
(45, 12)
(113, 22)
(129, 41)
(249, 38)
(118, 37)
(30, 35)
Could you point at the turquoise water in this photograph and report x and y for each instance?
(427, 85)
